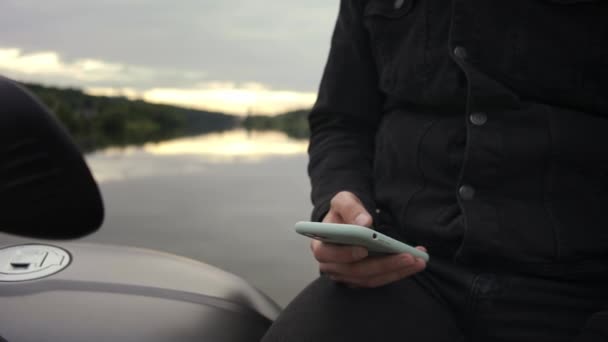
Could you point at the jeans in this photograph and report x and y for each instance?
(446, 302)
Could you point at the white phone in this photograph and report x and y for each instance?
(350, 234)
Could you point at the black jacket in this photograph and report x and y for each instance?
(476, 128)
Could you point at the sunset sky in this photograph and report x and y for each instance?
(232, 56)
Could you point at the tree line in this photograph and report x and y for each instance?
(294, 124)
(99, 121)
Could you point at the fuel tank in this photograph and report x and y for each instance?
(91, 292)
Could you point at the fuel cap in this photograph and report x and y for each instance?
(31, 261)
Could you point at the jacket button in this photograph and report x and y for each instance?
(399, 3)
(478, 119)
(460, 52)
(466, 192)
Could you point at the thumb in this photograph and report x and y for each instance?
(348, 206)
(363, 219)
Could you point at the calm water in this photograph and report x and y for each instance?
(229, 199)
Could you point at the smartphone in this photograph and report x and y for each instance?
(350, 234)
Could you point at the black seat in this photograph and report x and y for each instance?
(46, 188)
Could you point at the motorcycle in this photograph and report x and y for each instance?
(61, 290)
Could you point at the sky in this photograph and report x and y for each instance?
(261, 57)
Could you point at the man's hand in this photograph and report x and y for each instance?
(350, 264)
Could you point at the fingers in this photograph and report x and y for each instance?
(332, 217)
(422, 248)
(345, 207)
(362, 276)
(369, 267)
(331, 253)
(382, 279)
(350, 264)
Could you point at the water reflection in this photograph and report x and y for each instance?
(226, 146)
(204, 196)
(192, 154)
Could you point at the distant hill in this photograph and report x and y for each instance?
(99, 121)
(294, 124)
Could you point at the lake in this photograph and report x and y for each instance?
(229, 199)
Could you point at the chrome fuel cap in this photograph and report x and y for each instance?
(31, 261)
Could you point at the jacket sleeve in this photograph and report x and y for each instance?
(344, 119)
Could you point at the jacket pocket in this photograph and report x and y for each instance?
(397, 34)
(397, 174)
(388, 9)
(545, 47)
(580, 31)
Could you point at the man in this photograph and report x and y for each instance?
(478, 129)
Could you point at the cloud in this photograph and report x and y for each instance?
(227, 97)
(48, 65)
(282, 44)
(98, 77)
(233, 98)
